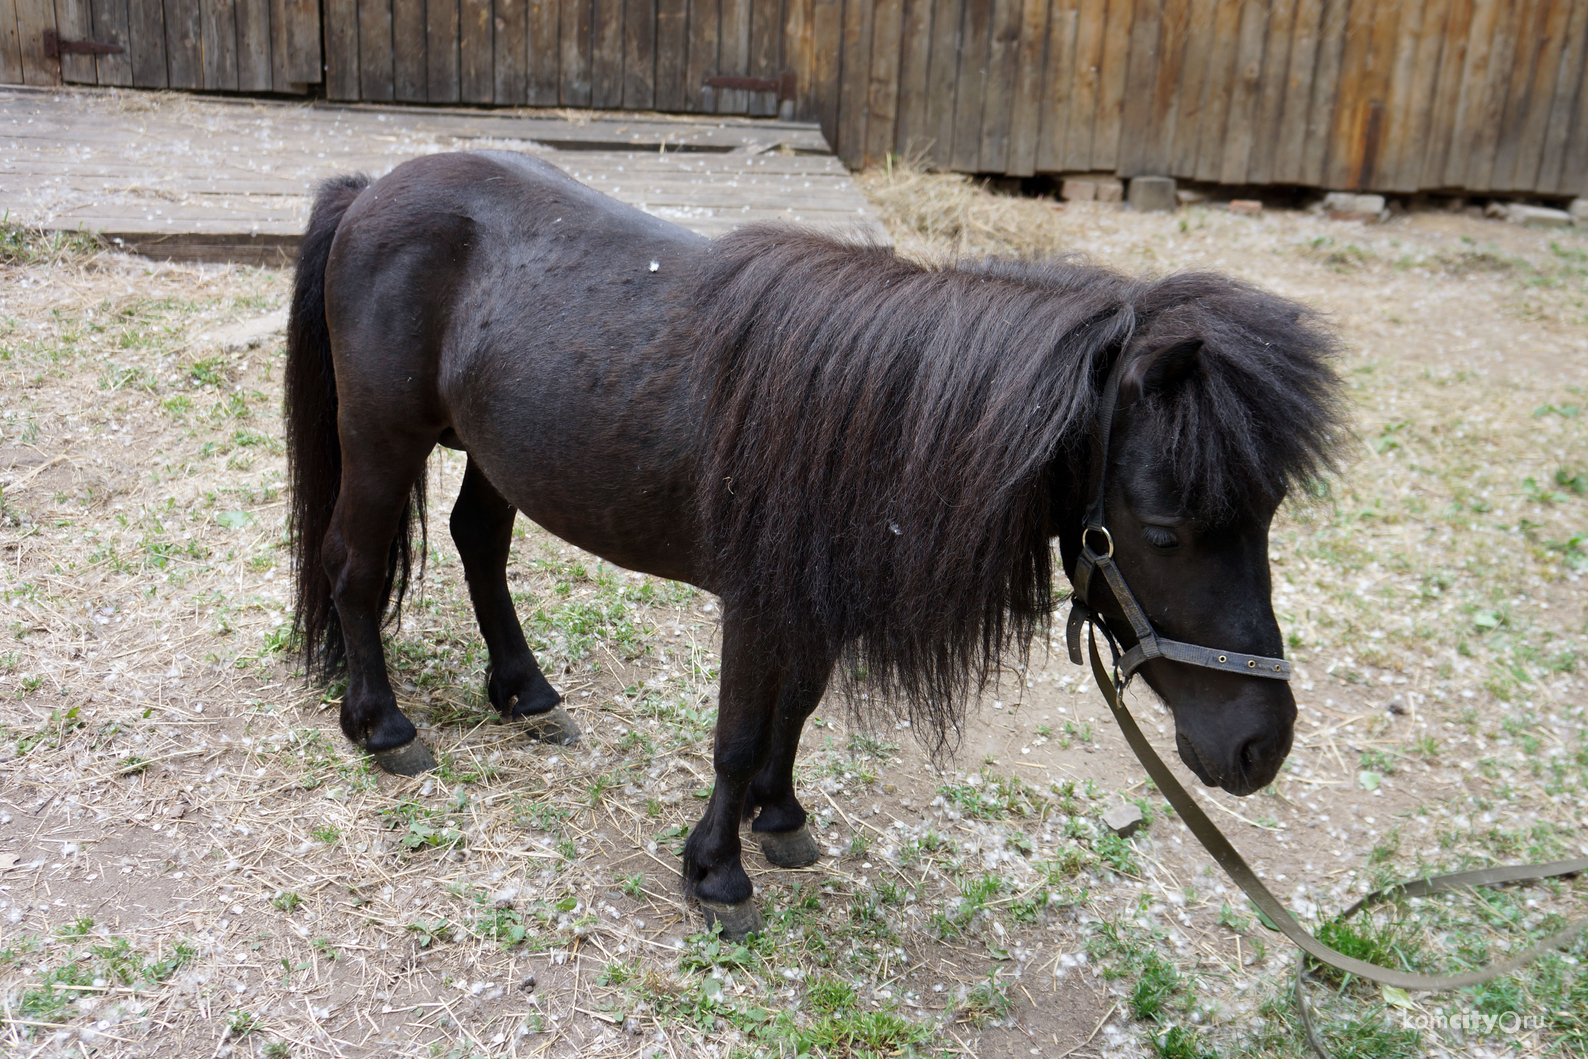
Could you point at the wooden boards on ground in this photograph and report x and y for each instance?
(210, 180)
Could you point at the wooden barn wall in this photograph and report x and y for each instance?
(1386, 95)
(210, 45)
(634, 54)
(1382, 95)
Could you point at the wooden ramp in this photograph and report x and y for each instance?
(202, 179)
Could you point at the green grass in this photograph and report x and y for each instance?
(21, 245)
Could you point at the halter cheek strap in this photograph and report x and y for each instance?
(1091, 562)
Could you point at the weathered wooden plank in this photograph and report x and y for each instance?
(577, 45)
(606, 53)
(545, 54)
(704, 22)
(1485, 136)
(109, 25)
(1325, 91)
(409, 61)
(219, 29)
(766, 33)
(1003, 60)
(1287, 159)
(915, 57)
(1156, 133)
(882, 91)
(639, 54)
(1471, 86)
(937, 133)
(510, 53)
(10, 44)
(1567, 81)
(970, 93)
(1412, 94)
(1344, 162)
(1091, 24)
(341, 48)
(1057, 81)
(302, 66)
(1444, 108)
(74, 21)
(443, 83)
(1217, 88)
(671, 53)
(1526, 41)
(1111, 85)
(733, 55)
(854, 77)
(1024, 116)
(1382, 57)
(1240, 122)
(1539, 46)
(146, 33)
(33, 17)
(184, 44)
(476, 51)
(1137, 134)
(799, 29)
(1271, 91)
(1574, 168)
(1193, 87)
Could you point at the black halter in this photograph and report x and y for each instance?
(1090, 563)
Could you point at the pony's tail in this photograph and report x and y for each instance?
(314, 452)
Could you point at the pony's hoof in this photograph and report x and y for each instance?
(410, 759)
(789, 849)
(553, 726)
(738, 920)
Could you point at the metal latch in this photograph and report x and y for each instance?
(55, 47)
(783, 84)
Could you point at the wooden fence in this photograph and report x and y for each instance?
(1387, 95)
(214, 45)
(633, 54)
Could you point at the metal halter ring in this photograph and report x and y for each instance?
(1106, 536)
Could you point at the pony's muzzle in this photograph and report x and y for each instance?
(1238, 745)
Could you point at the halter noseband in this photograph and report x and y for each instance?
(1091, 563)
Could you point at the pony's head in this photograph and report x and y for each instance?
(1226, 402)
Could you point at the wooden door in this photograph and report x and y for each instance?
(224, 45)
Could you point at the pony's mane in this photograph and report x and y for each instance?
(875, 434)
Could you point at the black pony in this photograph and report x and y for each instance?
(865, 458)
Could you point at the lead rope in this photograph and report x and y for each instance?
(1240, 872)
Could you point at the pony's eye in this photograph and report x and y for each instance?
(1159, 537)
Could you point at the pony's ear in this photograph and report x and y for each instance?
(1160, 370)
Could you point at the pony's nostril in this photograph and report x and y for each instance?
(1247, 760)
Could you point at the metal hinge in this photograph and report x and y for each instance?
(783, 84)
(55, 47)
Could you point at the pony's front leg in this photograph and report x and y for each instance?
(751, 680)
(779, 819)
(482, 528)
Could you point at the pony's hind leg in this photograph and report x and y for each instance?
(779, 819)
(482, 528)
(378, 476)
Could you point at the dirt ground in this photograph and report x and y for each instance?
(194, 862)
